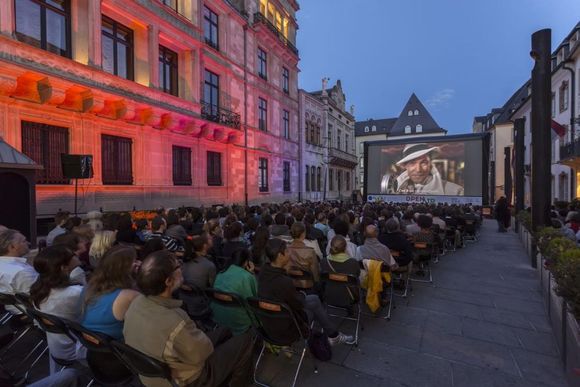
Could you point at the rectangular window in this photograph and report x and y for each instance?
(346, 143)
(44, 144)
(211, 96)
(307, 179)
(116, 160)
(286, 176)
(262, 114)
(117, 48)
(331, 180)
(338, 135)
(285, 80)
(348, 181)
(339, 180)
(44, 24)
(306, 131)
(553, 105)
(286, 124)
(168, 70)
(313, 178)
(181, 165)
(171, 4)
(210, 28)
(263, 175)
(214, 168)
(262, 64)
(317, 134)
(564, 97)
(318, 179)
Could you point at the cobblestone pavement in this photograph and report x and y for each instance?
(482, 323)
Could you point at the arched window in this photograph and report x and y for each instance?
(306, 129)
(366, 129)
(313, 178)
(307, 179)
(407, 129)
(374, 128)
(419, 128)
(416, 112)
(319, 179)
(410, 113)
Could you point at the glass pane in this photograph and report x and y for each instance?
(59, 4)
(123, 35)
(108, 55)
(55, 33)
(28, 22)
(161, 75)
(106, 26)
(122, 60)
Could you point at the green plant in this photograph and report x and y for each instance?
(558, 246)
(567, 275)
(544, 236)
(525, 218)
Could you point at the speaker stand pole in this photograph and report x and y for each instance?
(76, 194)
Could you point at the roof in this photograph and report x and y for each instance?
(11, 158)
(512, 104)
(383, 126)
(424, 119)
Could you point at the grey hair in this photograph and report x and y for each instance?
(6, 239)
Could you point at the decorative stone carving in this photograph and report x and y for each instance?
(142, 116)
(32, 87)
(77, 98)
(113, 109)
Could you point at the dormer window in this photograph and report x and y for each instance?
(419, 128)
(374, 128)
(408, 129)
(410, 113)
(366, 129)
(564, 98)
(416, 112)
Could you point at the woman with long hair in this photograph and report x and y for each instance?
(102, 242)
(54, 293)
(110, 292)
(258, 249)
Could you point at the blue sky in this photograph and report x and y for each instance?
(461, 57)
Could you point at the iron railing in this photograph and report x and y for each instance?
(338, 156)
(261, 18)
(220, 115)
(570, 150)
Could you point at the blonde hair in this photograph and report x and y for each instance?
(102, 242)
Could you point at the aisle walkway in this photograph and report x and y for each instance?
(481, 324)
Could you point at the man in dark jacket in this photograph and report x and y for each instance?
(395, 240)
(275, 285)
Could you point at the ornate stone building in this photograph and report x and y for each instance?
(314, 150)
(179, 102)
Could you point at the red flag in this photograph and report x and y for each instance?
(559, 129)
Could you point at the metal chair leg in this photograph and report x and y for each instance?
(300, 363)
(256, 367)
(15, 340)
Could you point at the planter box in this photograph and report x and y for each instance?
(572, 350)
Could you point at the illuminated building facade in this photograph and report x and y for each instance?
(180, 102)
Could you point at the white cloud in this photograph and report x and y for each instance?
(441, 98)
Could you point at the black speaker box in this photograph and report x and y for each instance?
(77, 166)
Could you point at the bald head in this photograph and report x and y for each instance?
(371, 231)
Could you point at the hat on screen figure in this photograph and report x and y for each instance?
(420, 176)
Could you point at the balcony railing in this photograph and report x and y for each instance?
(570, 150)
(260, 18)
(220, 115)
(342, 158)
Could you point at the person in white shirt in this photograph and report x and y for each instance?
(16, 275)
(59, 219)
(341, 228)
(53, 293)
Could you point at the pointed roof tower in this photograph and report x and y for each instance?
(415, 119)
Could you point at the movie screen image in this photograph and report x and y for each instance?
(451, 168)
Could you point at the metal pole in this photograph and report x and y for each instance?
(519, 127)
(541, 132)
(76, 194)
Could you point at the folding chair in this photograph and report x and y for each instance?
(107, 368)
(390, 287)
(402, 273)
(470, 230)
(342, 291)
(20, 302)
(300, 277)
(425, 255)
(268, 312)
(450, 232)
(142, 364)
(229, 300)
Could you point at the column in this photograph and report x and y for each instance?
(94, 32)
(7, 24)
(153, 45)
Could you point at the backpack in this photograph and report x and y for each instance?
(319, 346)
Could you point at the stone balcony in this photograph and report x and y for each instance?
(220, 115)
(260, 19)
(341, 158)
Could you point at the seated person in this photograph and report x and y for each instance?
(373, 249)
(54, 293)
(156, 325)
(238, 279)
(16, 274)
(74, 243)
(233, 233)
(274, 284)
(60, 220)
(280, 229)
(303, 257)
(342, 228)
(394, 239)
(425, 234)
(199, 270)
(339, 262)
(159, 226)
(110, 292)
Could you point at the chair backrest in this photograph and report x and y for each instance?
(301, 277)
(195, 300)
(140, 363)
(340, 289)
(93, 341)
(423, 250)
(50, 323)
(272, 314)
(225, 298)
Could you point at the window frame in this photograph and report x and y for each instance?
(286, 124)
(331, 179)
(214, 169)
(213, 25)
(319, 179)
(213, 87)
(262, 64)
(115, 158)
(263, 175)
(285, 80)
(181, 163)
(166, 63)
(115, 25)
(43, 43)
(262, 114)
(286, 176)
(307, 179)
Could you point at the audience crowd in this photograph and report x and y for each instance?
(136, 281)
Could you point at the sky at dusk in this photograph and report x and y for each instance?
(461, 57)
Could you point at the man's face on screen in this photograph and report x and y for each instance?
(419, 169)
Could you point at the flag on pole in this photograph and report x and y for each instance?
(559, 129)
